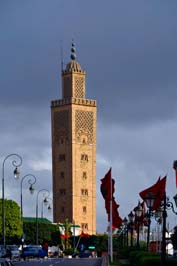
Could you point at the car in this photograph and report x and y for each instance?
(12, 252)
(5, 262)
(34, 251)
(2, 251)
(85, 254)
(53, 251)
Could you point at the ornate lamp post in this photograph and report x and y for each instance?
(16, 164)
(31, 181)
(149, 202)
(125, 223)
(131, 219)
(138, 213)
(45, 201)
(49, 206)
(31, 188)
(162, 212)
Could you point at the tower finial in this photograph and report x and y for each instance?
(73, 51)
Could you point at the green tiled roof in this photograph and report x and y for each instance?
(33, 220)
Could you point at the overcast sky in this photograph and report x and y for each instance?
(129, 51)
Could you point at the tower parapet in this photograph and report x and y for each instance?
(85, 102)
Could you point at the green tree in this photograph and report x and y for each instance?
(47, 231)
(13, 223)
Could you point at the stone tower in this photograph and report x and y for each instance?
(73, 120)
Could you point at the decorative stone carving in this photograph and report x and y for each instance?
(84, 126)
(79, 87)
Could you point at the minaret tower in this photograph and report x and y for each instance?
(74, 151)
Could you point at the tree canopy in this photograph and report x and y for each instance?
(13, 223)
(46, 232)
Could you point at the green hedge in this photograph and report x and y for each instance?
(124, 253)
(141, 257)
(149, 261)
(155, 261)
(144, 258)
(136, 255)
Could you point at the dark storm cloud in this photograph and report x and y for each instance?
(136, 58)
(129, 51)
(27, 133)
(138, 156)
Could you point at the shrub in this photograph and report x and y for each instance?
(135, 256)
(149, 260)
(68, 251)
(125, 252)
(144, 258)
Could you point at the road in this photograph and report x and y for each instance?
(61, 262)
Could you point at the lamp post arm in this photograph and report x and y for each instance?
(44, 190)
(14, 162)
(169, 205)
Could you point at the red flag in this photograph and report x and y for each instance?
(151, 190)
(159, 197)
(157, 190)
(144, 220)
(107, 191)
(175, 168)
(116, 219)
(106, 188)
(114, 205)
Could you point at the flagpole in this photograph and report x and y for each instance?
(110, 226)
(108, 230)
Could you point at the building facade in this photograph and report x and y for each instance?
(73, 122)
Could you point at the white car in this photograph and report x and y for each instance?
(12, 252)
